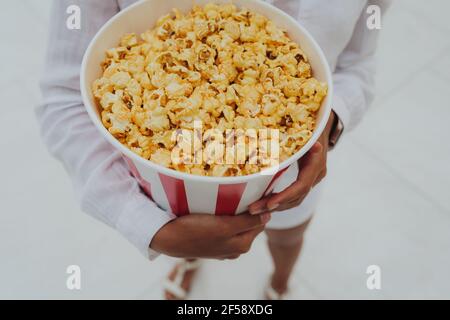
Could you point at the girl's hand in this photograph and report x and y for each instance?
(312, 169)
(209, 236)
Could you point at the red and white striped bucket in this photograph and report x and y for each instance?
(179, 192)
(183, 197)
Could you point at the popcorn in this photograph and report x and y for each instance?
(162, 157)
(120, 80)
(230, 69)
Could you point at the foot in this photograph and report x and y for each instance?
(181, 277)
(277, 289)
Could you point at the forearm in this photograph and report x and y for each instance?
(101, 179)
(103, 185)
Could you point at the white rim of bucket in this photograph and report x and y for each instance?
(187, 176)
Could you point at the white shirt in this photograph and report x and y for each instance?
(101, 178)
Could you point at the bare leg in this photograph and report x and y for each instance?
(285, 246)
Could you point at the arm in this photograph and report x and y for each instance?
(354, 77)
(101, 179)
(100, 176)
(354, 91)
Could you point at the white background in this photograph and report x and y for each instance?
(387, 201)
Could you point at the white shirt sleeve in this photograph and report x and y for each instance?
(354, 77)
(100, 176)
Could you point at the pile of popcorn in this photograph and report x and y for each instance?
(228, 68)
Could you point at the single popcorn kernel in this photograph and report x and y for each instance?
(227, 68)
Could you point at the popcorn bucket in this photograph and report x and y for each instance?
(183, 193)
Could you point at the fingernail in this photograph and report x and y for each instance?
(256, 211)
(273, 206)
(265, 217)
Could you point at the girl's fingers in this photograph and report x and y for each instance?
(308, 167)
(308, 173)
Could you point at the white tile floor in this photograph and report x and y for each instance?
(386, 203)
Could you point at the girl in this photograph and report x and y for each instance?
(107, 191)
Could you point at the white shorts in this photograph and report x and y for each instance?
(296, 216)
